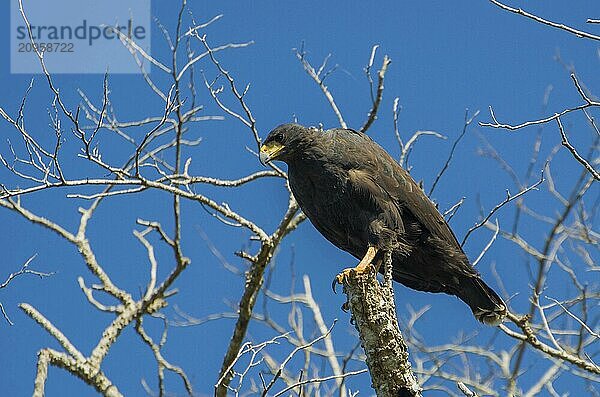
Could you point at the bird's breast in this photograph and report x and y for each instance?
(315, 186)
(327, 201)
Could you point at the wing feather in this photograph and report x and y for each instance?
(376, 173)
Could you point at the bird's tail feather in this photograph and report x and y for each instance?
(486, 305)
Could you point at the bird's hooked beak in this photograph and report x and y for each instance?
(270, 151)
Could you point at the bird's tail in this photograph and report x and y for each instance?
(486, 305)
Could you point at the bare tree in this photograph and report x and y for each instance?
(155, 162)
(560, 327)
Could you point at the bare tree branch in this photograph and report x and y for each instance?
(576, 32)
(468, 122)
(507, 200)
(380, 77)
(374, 316)
(24, 270)
(319, 78)
(530, 337)
(565, 142)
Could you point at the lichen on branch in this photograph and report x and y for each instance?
(374, 316)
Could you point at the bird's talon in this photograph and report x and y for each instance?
(341, 278)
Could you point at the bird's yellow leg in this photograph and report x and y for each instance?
(362, 267)
(364, 263)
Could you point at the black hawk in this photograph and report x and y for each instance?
(363, 202)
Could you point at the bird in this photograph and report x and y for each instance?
(361, 200)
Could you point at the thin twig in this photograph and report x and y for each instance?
(565, 142)
(468, 121)
(380, 77)
(319, 79)
(507, 200)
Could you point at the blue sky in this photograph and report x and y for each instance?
(446, 57)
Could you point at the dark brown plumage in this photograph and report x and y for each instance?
(358, 196)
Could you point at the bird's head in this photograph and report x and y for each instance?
(284, 142)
